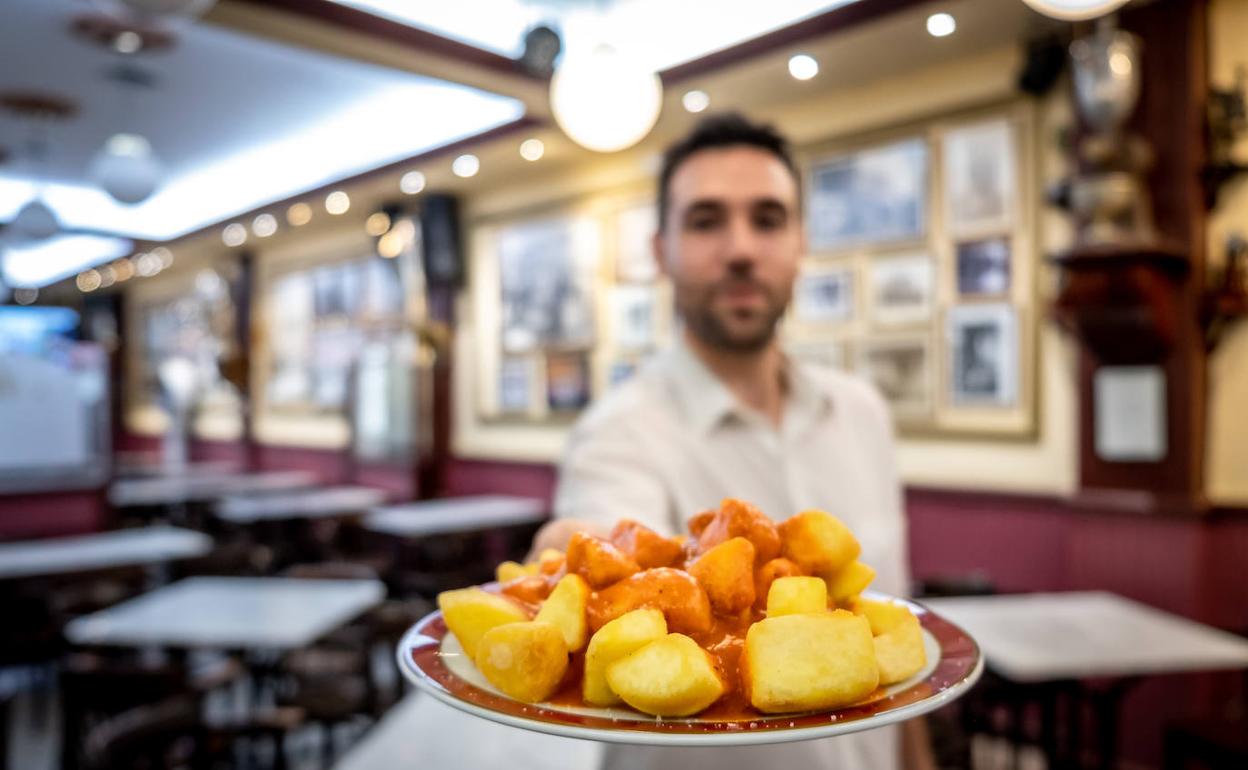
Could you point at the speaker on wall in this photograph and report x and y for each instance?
(441, 245)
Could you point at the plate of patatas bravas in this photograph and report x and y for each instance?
(744, 631)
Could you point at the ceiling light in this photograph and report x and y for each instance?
(412, 182)
(390, 245)
(337, 202)
(941, 25)
(36, 221)
(234, 235)
(126, 168)
(466, 165)
(25, 296)
(803, 67)
(48, 261)
(299, 214)
(604, 100)
(107, 277)
(164, 255)
(145, 264)
(695, 101)
(1075, 10)
(377, 223)
(88, 281)
(128, 41)
(532, 149)
(264, 225)
(123, 269)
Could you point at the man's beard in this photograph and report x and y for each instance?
(722, 333)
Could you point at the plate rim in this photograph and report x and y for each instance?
(425, 683)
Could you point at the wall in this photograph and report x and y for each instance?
(1226, 463)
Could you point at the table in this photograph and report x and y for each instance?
(421, 732)
(106, 550)
(1058, 639)
(175, 490)
(229, 613)
(327, 502)
(455, 515)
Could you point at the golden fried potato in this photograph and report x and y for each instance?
(793, 595)
(645, 546)
(530, 589)
(765, 575)
(737, 518)
(622, 636)
(525, 660)
(598, 561)
(470, 612)
(565, 609)
(699, 522)
(726, 573)
(669, 677)
(850, 581)
(818, 542)
(674, 592)
(550, 561)
(899, 651)
(882, 616)
(509, 570)
(809, 662)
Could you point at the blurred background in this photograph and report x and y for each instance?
(300, 298)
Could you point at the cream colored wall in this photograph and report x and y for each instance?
(1046, 464)
(1226, 461)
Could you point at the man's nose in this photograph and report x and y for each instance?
(742, 242)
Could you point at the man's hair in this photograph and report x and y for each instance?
(729, 129)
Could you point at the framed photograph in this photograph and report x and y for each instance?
(871, 196)
(546, 288)
(983, 343)
(633, 317)
(984, 267)
(516, 377)
(824, 294)
(634, 229)
(902, 371)
(567, 381)
(832, 355)
(980, 177)
(901, 289)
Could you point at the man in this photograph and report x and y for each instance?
(726, 413)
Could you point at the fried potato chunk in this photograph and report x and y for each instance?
(530, 589)
(809, 662)
(566, 609)
(645, 546)
(617, 639)
(550, 561)
(471, 612)
(526, 661)
(669, 677)
(598, 561)
(818, 542)
(737, 518)
(699, 522)
(899, 651)
(765, 575)
(793, 595)
(673, 592)
(882, 615)
(726, 573)
(850, 581)
(509, 570)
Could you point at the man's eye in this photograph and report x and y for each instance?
(706, 222)
(769, 220)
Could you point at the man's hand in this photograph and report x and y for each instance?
(556, 534)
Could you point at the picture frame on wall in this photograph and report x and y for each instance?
(634, 317)
(635, 261)
(516, 380)
(901, 289)
(824, 294)
(980, 177)
(567, 381)
(545, 286)
(901, 369)
(825, 353)
(983, 345)
(870, 196)
(983, 267)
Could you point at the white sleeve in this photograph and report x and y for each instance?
(606, 475)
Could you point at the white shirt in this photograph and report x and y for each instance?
(673, 441)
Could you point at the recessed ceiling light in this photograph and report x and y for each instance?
(466, 165)
(163, 255)
(234, 234)
(941, 25)
(532, 149)
(146, 264)
(377, 223)
(299, 214)
(390, 245)
(107, 276)
(25, 296)
(412, 182)
(337, 202)
(88, 281)
(128, 41)
(123, 269)
(264, 225)
(803, 67)
(695, 100)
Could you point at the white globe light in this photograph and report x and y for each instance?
(803, 67)
(695, 101)
(1075, 10)
(941, 25)
(36, 221)
(604, 100)
(466, 165)
(126, 168)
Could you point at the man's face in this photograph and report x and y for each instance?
(732, 244)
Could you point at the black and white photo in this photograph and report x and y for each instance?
(829, 354)
(515, 384)
(634, 229)
(983, 342)
(871, 196)
(983, 267)
(980, 177)
(901, 370)
(901, 289)
(567, 381)
(633, 317)
(546, 286)
(824, 294)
